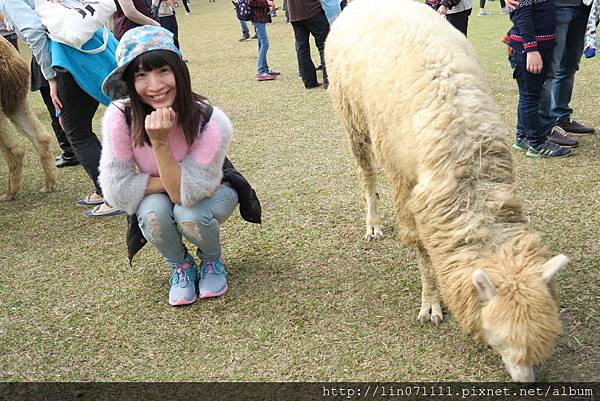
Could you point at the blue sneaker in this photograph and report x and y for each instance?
(183, 284)
(213, 281)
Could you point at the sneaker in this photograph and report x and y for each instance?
(183, 283)
(559, 136)
(213, 281)
(265, 77)
(549, 149)
(504, 10)
(188, 13)
(271, 72)
(254, 37)
(483, 13)
(575, 127)
(244, 38)
(521, 145)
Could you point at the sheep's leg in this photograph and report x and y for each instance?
(28, 124)
(431, 308)
(361, 148)
(14, 153)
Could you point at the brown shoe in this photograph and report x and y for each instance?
(560, 137)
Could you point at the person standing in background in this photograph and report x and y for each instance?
(308, 18)
(129, 14)
(457, 13)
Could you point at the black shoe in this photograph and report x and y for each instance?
(575, 127)
(549, 149)
(62, 161)
(560, 137)
(318, 85)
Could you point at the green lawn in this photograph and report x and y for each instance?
(308, 299)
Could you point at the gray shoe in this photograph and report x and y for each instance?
(560, 137)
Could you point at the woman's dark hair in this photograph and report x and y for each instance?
(192, 109)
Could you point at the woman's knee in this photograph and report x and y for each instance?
(153, 213)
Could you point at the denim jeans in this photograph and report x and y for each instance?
(245, 30)
(263, 46)
(163, 223)
(530, 89)
(318, 26)
(571, 23)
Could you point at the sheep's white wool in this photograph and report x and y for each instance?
(414, 99)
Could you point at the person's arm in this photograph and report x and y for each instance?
(447, 5)
(134, 15)
(523, 20)
(29, 28)
(158, 124)
(123, 185)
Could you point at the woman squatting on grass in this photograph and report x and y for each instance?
(163, 161)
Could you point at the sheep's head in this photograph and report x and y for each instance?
(519, 316)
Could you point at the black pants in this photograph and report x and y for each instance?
(170, 23)
(61, 137)
(460, 20)
(77, 115)
(319, 28)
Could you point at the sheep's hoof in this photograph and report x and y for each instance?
(424, 315)
(436, 316)
(373, 232)
(436, 313)
(8, 197)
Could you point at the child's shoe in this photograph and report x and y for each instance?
(213, 281)
(183, 283)
(483, 13)
(521, 145)
(549, 149)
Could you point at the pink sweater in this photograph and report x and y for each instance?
(124, 169)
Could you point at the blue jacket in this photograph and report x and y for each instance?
(88, 70)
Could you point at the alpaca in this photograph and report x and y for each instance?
(14, 83)
(415, 102)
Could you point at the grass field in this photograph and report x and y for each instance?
(309, 299)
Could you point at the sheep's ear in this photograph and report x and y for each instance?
(552, 266)
(484, 286)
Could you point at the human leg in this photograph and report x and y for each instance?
(460, 20)
(482, 11)
(201, 225)
(319, 28)
(564, 78)
(263, 46)
(77, 114)
(68, 157)
(305, 64)
(245, 30)
(170, 23)
(155, 218)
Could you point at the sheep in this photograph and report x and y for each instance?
(14, 84)
(414, 101)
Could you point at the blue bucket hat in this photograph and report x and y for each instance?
(134, 42)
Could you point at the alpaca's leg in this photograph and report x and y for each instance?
(363, 153)
(14, 153)
(430, 294)
(28, 124)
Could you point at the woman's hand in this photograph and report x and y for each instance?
(442, 10)
(159, 123)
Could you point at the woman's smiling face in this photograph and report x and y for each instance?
(157, 88)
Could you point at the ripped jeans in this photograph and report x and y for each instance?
(163, 223)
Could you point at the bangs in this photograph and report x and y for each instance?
(152, 60)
